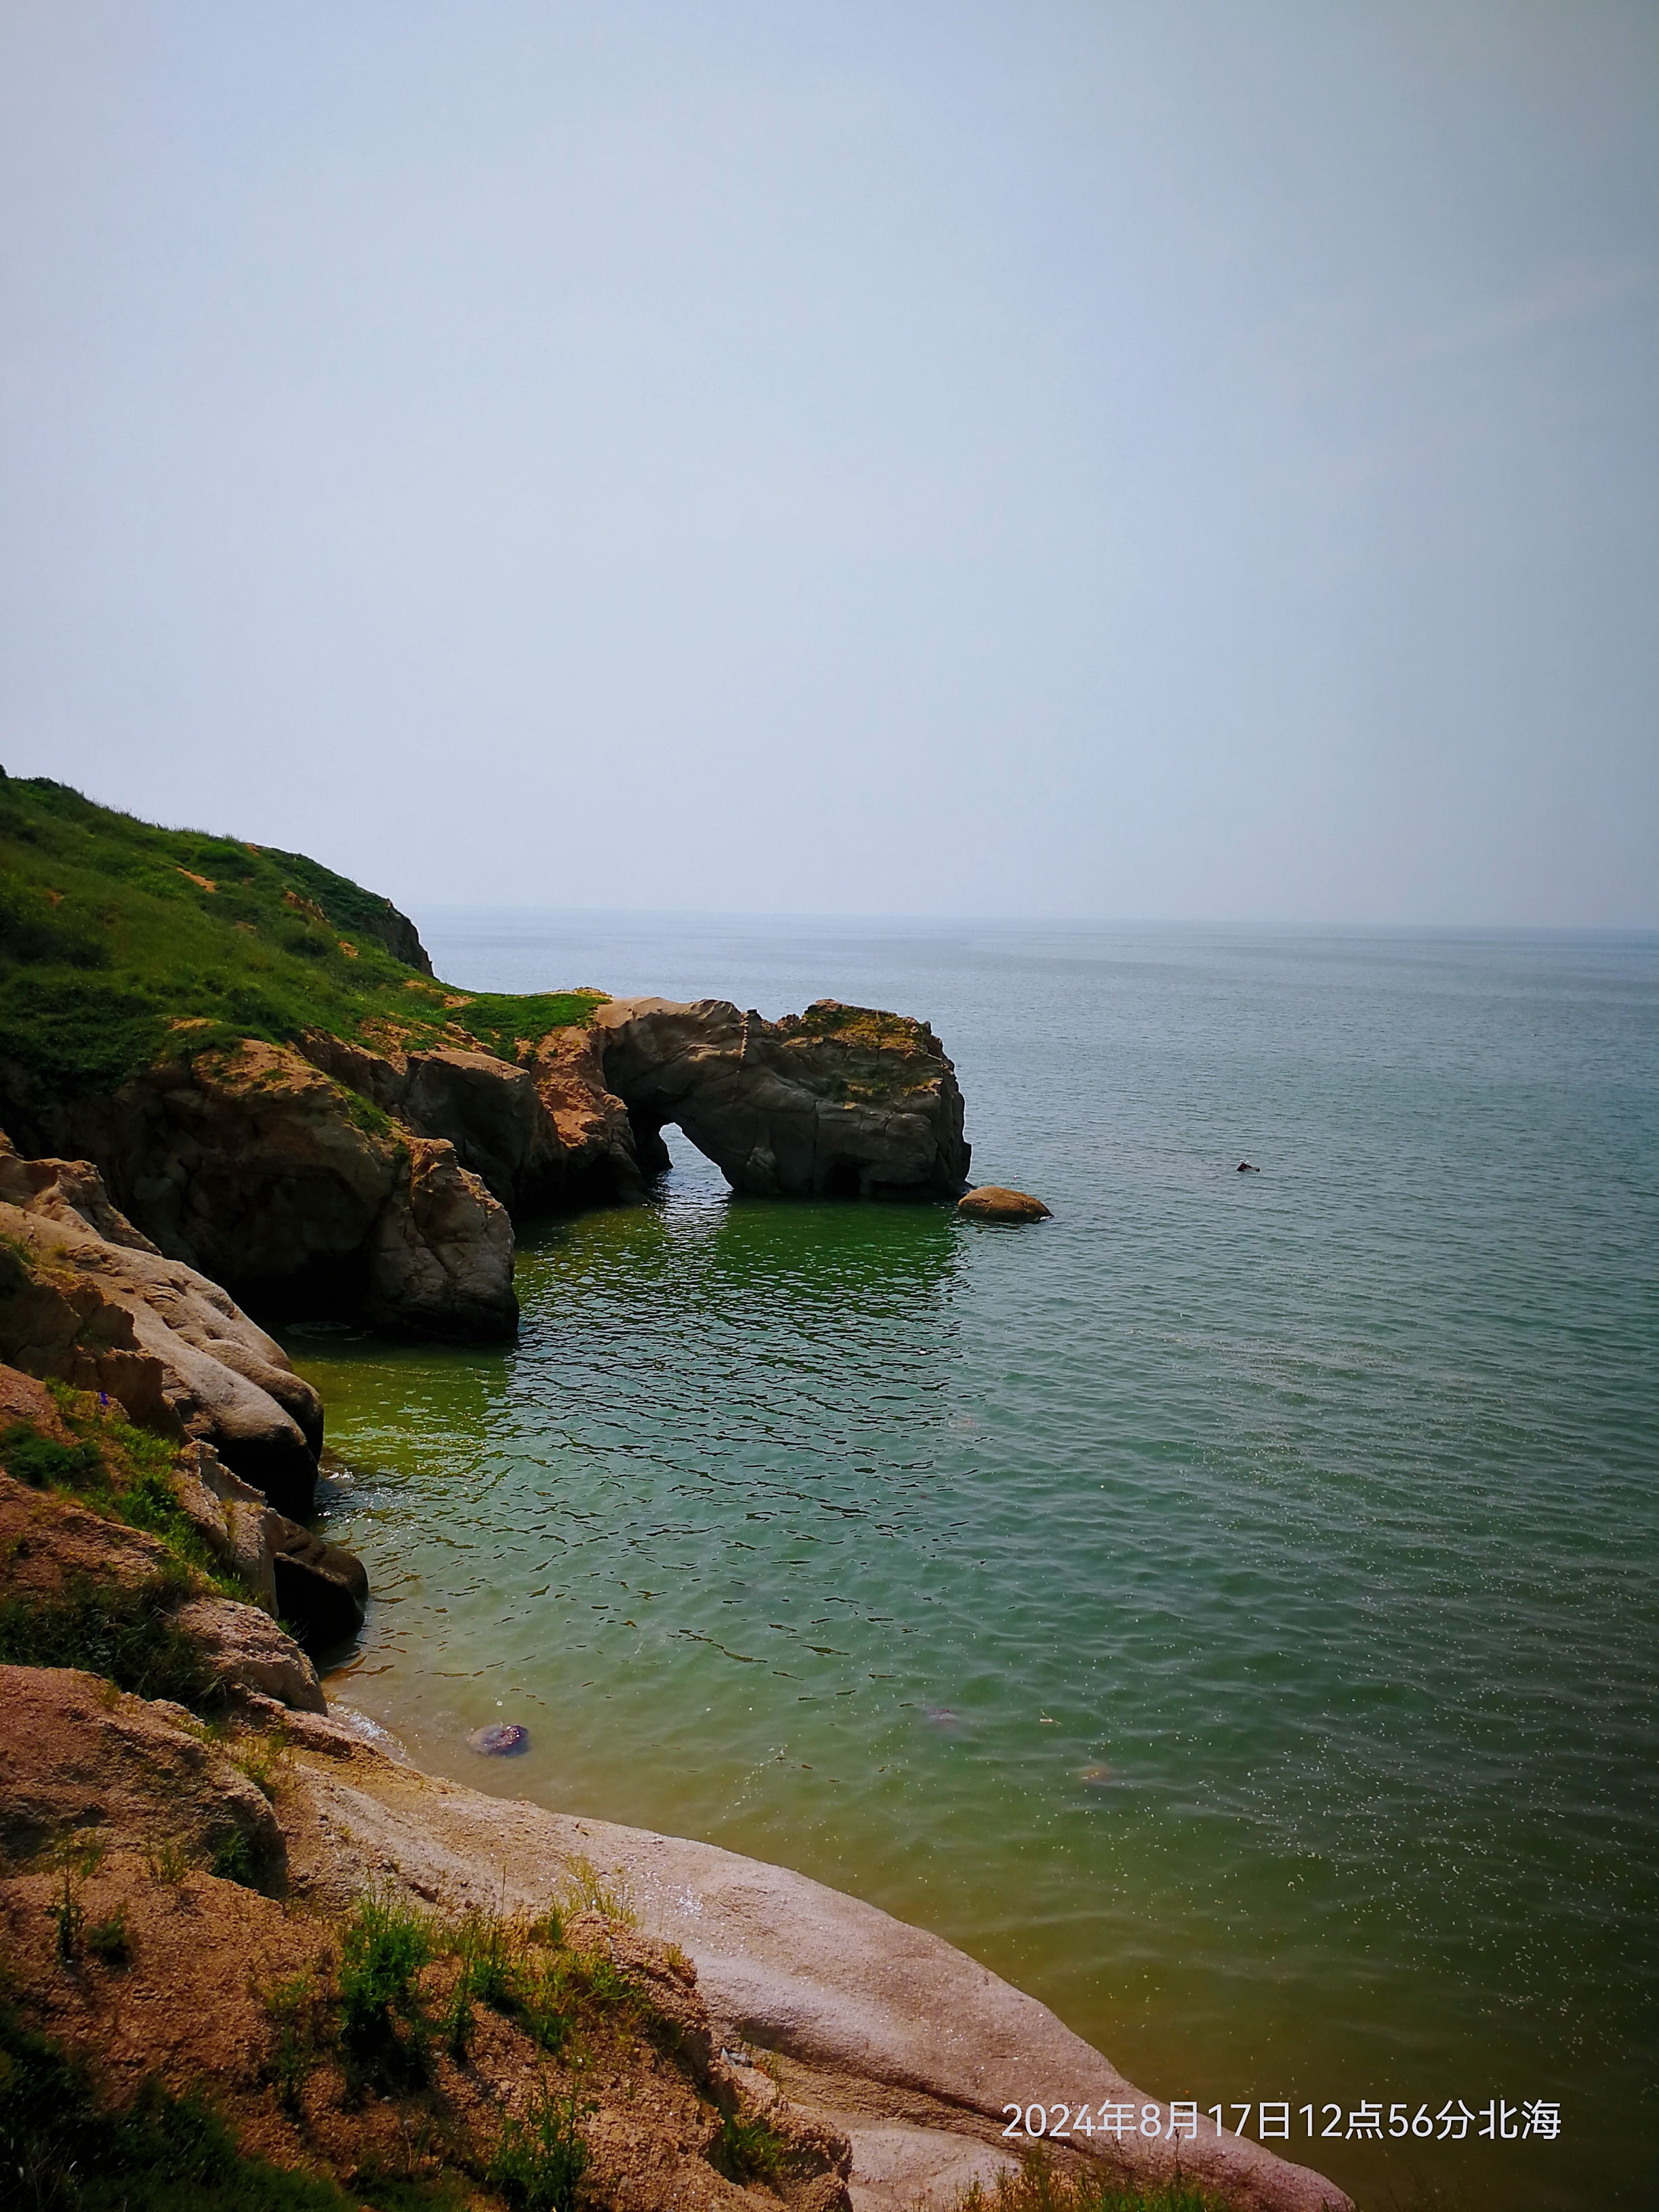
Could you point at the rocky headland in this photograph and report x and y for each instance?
(320, 1126)
(232, 1091)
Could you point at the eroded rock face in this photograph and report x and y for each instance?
(331, 1178)
(249, 1655)
(234, 1520)
(838, 1101)
(440, 1254)
(263, 1171)
(542, 1135)
(77, 1763)
(99, 1307)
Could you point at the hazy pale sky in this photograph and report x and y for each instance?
(1163, 460)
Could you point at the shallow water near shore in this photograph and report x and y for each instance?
(1227, 1609)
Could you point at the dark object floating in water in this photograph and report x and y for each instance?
(1244, 1167)
(501, 1739)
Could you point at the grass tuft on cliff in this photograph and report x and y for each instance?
(124, 1633)
(65, 2148)
(1039, 2186)
(122, 1472)
(122, 944)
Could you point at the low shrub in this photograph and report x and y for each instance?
(298, 2007)
(749, 2150)
(540, 2159)
(109, 1941)
(37, 1461)
(1039, 2186)
(383, 2028)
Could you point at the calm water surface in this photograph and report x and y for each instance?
(1228, 1609)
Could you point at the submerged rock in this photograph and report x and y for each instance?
(501, 1739)
(992, 1202)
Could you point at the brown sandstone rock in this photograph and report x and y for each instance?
(542, 1135)
(51, 1546)
(992, 1202)
(77, 1761)
(99, 1307)
(264, 1172)
(440, 1252)
(234, 1520)
(249, 1655)
(331, 1177)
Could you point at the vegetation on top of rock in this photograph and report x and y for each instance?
(122, 944)
(123, 1472)
(121, 1626)
(126, 1633)
(857, 1025)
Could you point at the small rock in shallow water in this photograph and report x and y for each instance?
(992, 1202)
(501, 1739)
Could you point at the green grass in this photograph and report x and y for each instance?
(1038, 2186)
(123, 1472)
(751, 2150)
(124, 1634)
(383, 2026)
(122, 944)
(867, 1025)
(61, 2150)
(539, 2160)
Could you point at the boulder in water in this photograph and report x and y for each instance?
(501, 1739)
(992, 1202)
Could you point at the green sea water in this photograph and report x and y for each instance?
(1228, 1609)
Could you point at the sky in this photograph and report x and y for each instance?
(1181, 460)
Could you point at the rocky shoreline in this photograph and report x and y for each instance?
(891, 2056)
(324, 1177)
(176, 1790)
(218, 1854)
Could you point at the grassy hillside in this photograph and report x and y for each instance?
(122, 943)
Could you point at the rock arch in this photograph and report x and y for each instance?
(839, 1102)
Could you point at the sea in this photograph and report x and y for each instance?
(1227, 1609)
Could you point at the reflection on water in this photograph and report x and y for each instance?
(1227, 1609)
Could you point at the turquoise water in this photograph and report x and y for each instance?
(1227, 1609)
